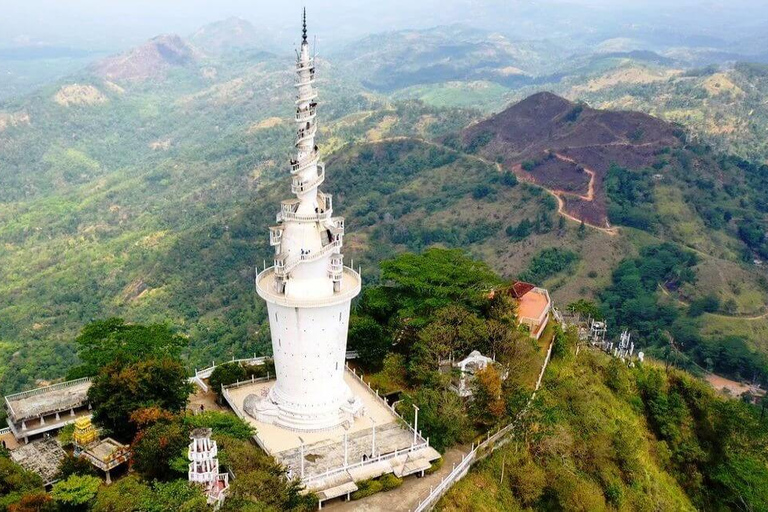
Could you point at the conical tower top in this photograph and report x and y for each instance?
(304, 28)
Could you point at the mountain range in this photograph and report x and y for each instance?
(143, 185)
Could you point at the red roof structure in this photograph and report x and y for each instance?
(520, 288)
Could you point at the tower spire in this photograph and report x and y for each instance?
(304, 28)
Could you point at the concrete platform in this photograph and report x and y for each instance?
(333, 460)
(276, 439)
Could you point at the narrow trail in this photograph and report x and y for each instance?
(590, 196)
(612, 231)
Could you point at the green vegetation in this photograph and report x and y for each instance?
(601, 436)
(75, 492)
(634, 301)
(548, 263)
(435, 306)
(630, 195)
(140, 399)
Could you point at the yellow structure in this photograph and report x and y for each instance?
(85, 432)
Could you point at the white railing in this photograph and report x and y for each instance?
(306, 114)
(483, 449)
(305, 133)
(419, 445)
(305, 162)
(250, 361)
(40, 410)
(303, 83)
(302, 99)
(265, 289)
(52, 387)
(300, 66)
(342, 469)
(306, 258)
(4, 431)
(299, 187)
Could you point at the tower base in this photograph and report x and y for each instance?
(269, 408)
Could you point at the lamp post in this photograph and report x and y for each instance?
(373, 439)
(302, 457)
(415, 423)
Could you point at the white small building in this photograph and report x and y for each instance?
(204, 466)
(467, 367)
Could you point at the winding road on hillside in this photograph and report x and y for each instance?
(612, 231)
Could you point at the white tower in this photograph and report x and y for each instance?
(308, 290)
(204, 465)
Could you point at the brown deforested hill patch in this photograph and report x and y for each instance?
(151, 61)
(568, 147)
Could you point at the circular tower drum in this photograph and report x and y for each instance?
(308, 290)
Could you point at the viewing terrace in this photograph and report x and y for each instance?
(34, 412)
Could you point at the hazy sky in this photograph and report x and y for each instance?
(111, 24)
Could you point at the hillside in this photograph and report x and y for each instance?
(601, 436)
(151, 61)
(724, 105)
(227, 35)
(569, 147)
(149, 198)
(392, 61)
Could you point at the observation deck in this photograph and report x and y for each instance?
(349, 288)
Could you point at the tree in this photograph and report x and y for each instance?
(221, 423)
(15, 482)
(370, 340)
(156, 449)
(113, 341)
(453, 330)
(76, 492)
(118, 391)
(414, 286)
(226, 374)
(487, 406)
(442, 417)
(71, 465)
(33, 502)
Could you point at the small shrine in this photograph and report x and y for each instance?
(204, 466)
(105, 454)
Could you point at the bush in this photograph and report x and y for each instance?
(226, 374)
(389, 482)
(548, 263)
(508, 179)
(435, 467)
(221, 423)
(528, 165)
(366, 488)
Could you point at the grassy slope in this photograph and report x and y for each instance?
(573, 451)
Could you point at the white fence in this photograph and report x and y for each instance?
(482, 450)
(197, 379)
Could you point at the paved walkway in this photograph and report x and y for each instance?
(404, 498)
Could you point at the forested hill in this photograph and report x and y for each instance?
(143, 187)
(562, 142)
